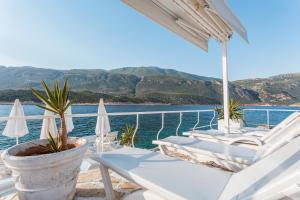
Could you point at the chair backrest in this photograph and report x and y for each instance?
(277, 171)
(281, 137)
(280, 126)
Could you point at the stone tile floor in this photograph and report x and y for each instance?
(90, 187)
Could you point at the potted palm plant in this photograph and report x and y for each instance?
(127, 135)
(236, 121)
(48, 169)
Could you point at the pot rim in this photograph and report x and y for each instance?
(6, 153)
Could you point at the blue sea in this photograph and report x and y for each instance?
(149, 124)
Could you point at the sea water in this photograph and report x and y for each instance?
(149, 124)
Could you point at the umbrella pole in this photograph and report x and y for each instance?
(17, 140)
(102, 133)
(225, 87)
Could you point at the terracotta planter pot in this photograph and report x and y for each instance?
(45, 177)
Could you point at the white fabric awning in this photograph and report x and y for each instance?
(223, 10)
(195, 20)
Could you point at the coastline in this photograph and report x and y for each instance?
(154, 104)
(95, 104)
(121, 104)
(295, 105)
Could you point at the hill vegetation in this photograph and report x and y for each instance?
(147, 84)
(281, 89)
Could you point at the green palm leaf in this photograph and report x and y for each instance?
(49, 93)
(46, 108)
(44, 99)
(56, 101)
(65, 92)
(54, 143)
(235, 111)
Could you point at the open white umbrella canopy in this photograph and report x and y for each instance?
(16, 125)
(102, 125)
(196, 21)
(49, 125)
(69, 121)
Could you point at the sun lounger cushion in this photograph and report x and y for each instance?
(213, 149)
(270, 136)
(282, 137)
(167, 176)
(281, 125)
(272, 174)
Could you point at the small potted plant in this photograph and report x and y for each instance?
(236, 122)
(48, 169)
(127, 135)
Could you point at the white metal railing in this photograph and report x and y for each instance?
(267, 111)
(162, 113)
(137, 123)
(179, 124)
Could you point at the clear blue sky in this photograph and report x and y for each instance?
(65, 34)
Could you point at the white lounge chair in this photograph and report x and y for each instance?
(7, 187)
(250, 138)
(109, 138)
(228, 156)
(273, 177)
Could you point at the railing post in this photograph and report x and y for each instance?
(268, 118)
(180, 121)
(243, 114)
(211, 121)
(102, 133)
(136, 128)
(198, 120)
(162, 125)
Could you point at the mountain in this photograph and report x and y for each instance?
(78, 97)
(147, 84)
(22, 78)
(281, 89)
(156, 71)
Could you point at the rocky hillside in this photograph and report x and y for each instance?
(281, 89)
(146, 83)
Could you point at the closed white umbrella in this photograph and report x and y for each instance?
(102, 125)
(49, 125)
(102, 114)
(69, 121)
(16, 125)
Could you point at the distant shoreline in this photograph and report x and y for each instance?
(151, 104)
(122, 104)
(93, 104)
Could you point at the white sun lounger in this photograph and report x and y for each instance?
(109, 138)
(87, 163)
(7, 187)
(250, 137)
(273, 177)
(228, 156)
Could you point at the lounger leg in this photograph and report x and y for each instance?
(109, 192)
